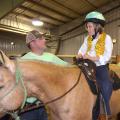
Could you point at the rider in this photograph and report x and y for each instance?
(37, 44)
(98, 47)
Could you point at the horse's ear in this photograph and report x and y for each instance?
(7, 62)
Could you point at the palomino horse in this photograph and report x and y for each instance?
(48, 82)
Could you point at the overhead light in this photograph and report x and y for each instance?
(37, 22)
(12, 43)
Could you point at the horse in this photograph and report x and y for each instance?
(47, 82)
(65, 89)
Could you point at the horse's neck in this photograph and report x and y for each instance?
(46, 81)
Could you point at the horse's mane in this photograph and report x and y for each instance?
(46, 63)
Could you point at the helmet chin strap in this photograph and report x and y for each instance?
(94, 36)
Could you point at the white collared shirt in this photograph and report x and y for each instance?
(104, 59)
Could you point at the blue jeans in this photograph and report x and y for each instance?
(105, 85)
(36, 114)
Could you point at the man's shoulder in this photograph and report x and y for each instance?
(49, 54)
(28, 55)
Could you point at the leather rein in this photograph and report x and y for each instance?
(53, 100)
(25, 109)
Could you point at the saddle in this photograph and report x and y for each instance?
(89, 69)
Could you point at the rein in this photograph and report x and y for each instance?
(19, 77)
(53, 100)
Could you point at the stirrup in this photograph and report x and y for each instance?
(105, 117)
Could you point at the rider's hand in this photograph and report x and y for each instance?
(79, 56)
(86, 56)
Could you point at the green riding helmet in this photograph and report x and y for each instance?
(95, 17)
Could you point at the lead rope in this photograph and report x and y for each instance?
(18, 76)
(55, 99)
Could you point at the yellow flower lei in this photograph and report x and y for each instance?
(100, 45)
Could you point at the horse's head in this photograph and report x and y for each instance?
(11, 94)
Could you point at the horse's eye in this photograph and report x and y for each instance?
(1, 87)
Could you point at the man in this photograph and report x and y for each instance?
(37, 44)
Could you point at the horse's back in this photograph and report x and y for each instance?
(115, 68)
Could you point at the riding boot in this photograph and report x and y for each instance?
(104, 117)
(109, 117)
